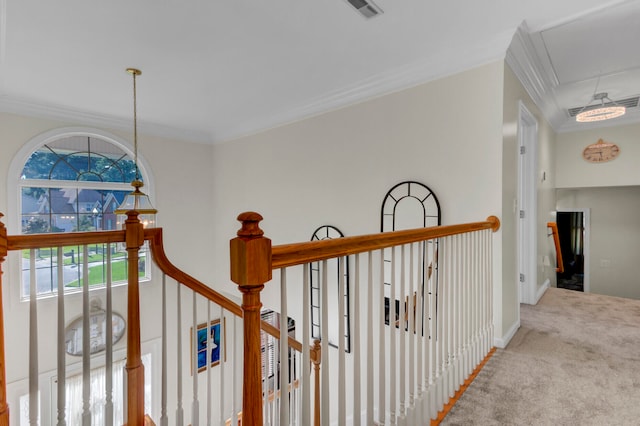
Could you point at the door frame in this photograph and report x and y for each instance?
(526, 214)
(586, 223)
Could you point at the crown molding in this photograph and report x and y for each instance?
(538, 81)
(523, 61)
(12, 105)
(375, 86)
(447, 64)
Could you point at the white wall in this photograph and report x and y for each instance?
(614, 237)
(182, 181)
(573, 171)
(514, 92)
(336, 168)
(610, 191)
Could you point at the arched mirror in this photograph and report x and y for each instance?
(333, 279)
(410, 205)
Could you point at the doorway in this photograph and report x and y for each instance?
(527, 205)
(573, 233)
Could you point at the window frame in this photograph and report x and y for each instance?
(15, 184)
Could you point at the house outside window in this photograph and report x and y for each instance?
(74, 183)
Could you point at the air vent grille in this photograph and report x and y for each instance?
(628, 103)
(367, 8)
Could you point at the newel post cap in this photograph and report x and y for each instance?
(250, 252)
(495, 223)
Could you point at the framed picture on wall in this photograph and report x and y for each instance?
(208, 345)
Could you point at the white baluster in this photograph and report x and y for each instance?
(179, 409)
(356, 349)
(284, 350)
(266, 414)
(62, 373)
(236, 385)
(490, 283)
(369, 376)
(209, 351)
(195, 404)
(458, 317)
(382, 347)
(475, 300)
(342, 415)
(305, 377)
(393, 314)
(86, 341)
(441, 335)
(411, 311)
(324, 402)
(404, 310)
(223, 367)
(419, 329)
(33, 341)
(164, 420)
(109, 337)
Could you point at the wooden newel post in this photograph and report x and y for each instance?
(4, 408)
(134, 238)
(250, 269)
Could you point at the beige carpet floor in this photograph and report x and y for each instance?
(574, 361)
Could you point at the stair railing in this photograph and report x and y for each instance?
(132, 238)
(443, 326)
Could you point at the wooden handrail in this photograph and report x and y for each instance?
(34, 241)
(286, 255)
(556, 242)
(133, 237)
(154, 236)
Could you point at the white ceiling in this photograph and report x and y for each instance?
(595, 52)
(216, 70)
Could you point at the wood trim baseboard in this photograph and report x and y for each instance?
(452, 401)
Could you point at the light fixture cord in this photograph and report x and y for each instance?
(135, 129)
(596, 89)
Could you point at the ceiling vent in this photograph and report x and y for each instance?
(627, 103)
(367, 8)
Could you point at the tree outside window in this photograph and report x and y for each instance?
(74, 184)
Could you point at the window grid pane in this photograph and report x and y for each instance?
(80, 205)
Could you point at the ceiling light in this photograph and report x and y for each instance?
(604, 111)
(136, 199)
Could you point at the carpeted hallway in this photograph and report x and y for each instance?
(574, 361)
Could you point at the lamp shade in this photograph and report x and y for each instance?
(604, 111)
(600, 114)
(138, 201)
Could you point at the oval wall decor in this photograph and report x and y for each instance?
(97, 332)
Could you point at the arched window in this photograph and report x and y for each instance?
(70, 180)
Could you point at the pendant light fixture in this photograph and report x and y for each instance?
(136, 199)
(604, 111)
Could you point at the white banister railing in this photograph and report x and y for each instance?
(421, 321)
(421, 315)
(99, 394)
